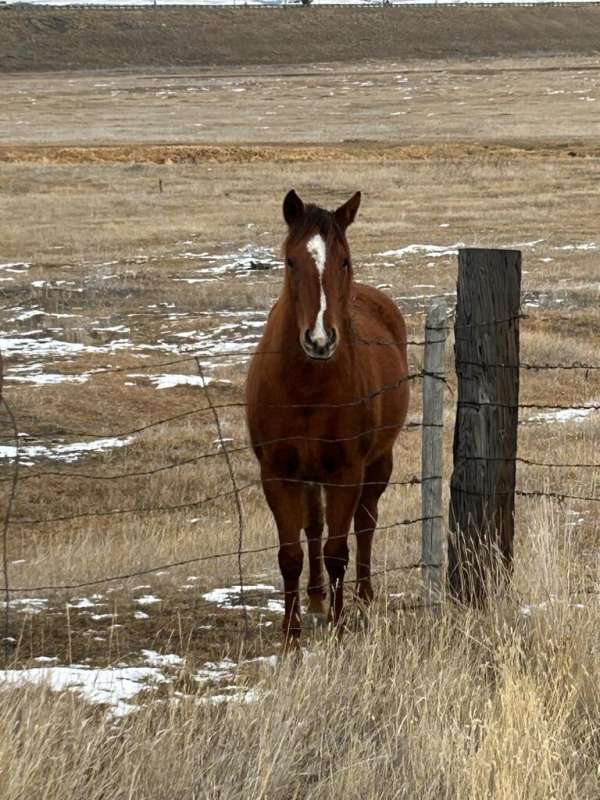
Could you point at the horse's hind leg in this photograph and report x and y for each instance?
(376, 479)
(313, 529)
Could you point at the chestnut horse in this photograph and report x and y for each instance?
(324, 407)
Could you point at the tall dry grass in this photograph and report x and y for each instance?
(501, 703)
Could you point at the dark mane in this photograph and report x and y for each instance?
(320, 219)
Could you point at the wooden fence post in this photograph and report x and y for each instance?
(482, 489)
(432, 450)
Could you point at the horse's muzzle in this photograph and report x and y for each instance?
(318, 349)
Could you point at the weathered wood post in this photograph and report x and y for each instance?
(432, 451)
(482, 489)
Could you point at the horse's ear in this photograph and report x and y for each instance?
(293, 208)
(345, 214)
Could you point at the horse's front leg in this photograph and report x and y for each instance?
(342, 501)
(286, 501)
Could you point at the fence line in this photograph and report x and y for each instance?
(202, 501)
(203, 456)
(199, 559)
(5, 526)
(226, 452)
(354, 402)
(234, 487)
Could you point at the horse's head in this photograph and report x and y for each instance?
(319, 271)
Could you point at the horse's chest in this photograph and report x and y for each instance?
(314, 446)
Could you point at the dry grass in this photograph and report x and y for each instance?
(501, 704)
(496, 705)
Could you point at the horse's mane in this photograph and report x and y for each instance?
(317, 218)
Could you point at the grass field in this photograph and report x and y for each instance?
(139, 226)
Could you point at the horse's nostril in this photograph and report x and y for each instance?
(332, 336)
(307, 337)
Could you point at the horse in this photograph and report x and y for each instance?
(326, 397)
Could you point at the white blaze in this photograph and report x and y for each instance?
(316, 248)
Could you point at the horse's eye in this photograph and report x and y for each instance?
(289, 262)
(346, 264)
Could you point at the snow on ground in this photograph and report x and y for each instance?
(230, 597)
(83, 603)
(114, 687)
(429, 250)
(245, 262)
(561, 415)
(579, 247)
(28, 605)
(170, 381)
(147, 600)
(216, 670)
(47, 378)
(67, 453)
(155, 659)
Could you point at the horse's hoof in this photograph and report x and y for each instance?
(291, 646)
(316, 621)
(361, 621)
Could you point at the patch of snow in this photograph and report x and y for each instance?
(229, 597)
(47, 378)
(141, 615)
(32, 312)
(113, 687)
(240, 696)
(270, 661)
(172, 380)
(155, 659)
(62, 452)
(584, 246)
(529, 244)
(431, 250)
(82, 602)
(561, 415)
(15, 266)
(216, 670)
(28, 605)
(147, 600)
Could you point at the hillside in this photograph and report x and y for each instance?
(100, 38)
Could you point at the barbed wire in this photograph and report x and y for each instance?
(217, 454)
(577, 365)
(208, 499)
(557, 495)
(234, 486)
(200, 559)
(531, 463)
(355, 401)
(227, 451)
(192, 356)
(532, 406)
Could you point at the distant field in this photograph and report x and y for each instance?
(141, 222)
(63, 39)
